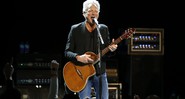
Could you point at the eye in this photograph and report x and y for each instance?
(92, 11)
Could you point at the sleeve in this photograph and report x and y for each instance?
(69, 54)
(106, 37)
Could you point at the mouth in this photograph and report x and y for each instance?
(92, 18)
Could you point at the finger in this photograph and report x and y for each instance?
(112, 40)
(90, 60)
(110, 47)
(88, 55)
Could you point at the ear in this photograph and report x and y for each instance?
(84, 14)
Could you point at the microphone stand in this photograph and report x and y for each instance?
(100, 55)
(97, 27)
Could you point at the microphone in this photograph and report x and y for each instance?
(99, 34)
(95, 21)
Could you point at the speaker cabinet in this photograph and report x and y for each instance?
(114, 91)
(146, 76)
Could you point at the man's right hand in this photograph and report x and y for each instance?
(85, 58)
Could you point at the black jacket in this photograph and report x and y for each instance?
(80, 41)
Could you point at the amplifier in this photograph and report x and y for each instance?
(112, 70)
(34, 69)
(115, 91)
(33, 77)
(148, 41)
(36, 61)
(112, 75)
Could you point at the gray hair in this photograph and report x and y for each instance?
(88, 3)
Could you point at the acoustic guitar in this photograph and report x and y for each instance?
(76, 76)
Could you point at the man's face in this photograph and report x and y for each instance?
(92, 13)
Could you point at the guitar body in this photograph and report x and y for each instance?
(76, 76)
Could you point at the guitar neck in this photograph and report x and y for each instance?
(106, 50)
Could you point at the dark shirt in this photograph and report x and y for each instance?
(10, 92)
(80, 41)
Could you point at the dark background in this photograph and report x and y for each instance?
(45, 25)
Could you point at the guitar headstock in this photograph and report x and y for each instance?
(128, 33)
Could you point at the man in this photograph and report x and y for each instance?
(10, 91)
(89, 36)
(54, 84)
